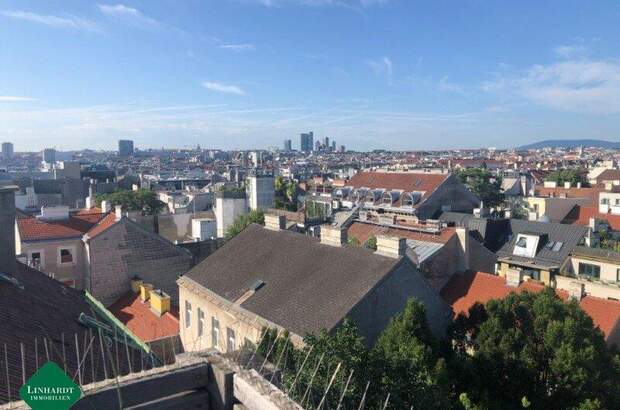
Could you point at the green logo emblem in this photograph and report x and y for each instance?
(50, 389)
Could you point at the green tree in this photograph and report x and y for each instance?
(371, 243)
(483, 184)
(256, 216)
(410, 368)
(568, 175)
(537, 347)
(140, 200)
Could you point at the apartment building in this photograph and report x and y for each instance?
(269, 277)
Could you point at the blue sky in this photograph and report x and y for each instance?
(394, 74)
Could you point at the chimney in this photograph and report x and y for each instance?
(275, 222)
(333, 236)
(8, 263)
(391, 246)
(464, 248)
(514, 277)
(145, 291)
(579, 185)
(118, 209)
(106, 206)
(160, 302)
(576, 290)
(567, 184)
(609, 186)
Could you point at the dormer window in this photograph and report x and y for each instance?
(526, 245)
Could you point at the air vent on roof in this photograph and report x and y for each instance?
(257, 285)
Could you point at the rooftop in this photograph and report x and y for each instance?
(308, 286)
(141, 320)
(406, 181)
(33, 229)
(466, 288)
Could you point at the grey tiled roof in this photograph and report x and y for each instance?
(569, 235)
(597, 253)
(308, 286)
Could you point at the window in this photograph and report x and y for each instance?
(587, 269)
(215, 332)
(188, 314)
(201, 322)
(604, 201)
(230, 340)
(617, 275)
(66, 256)
(36, 259)
(557, 246)
(521, 242)
(550, 245)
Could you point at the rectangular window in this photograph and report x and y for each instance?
(36, 259)
(66, 255)
(230, 340)
(215, 332)
(587, 269)
(188, 314)
(201, 322)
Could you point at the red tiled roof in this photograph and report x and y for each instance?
(104, 224)
(591, 193)
(33, 229)
(407, 181)
(465, 289)
(139, 318)
(363, 231)
(587, 212)
(608, 175)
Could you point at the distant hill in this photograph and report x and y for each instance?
(571, 144)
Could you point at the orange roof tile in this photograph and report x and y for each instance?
(33, 229)
(407, 181)
(139, 318)
(590, 193)
(363, 231)
(104, 224)
(465, 289)
(587, 212)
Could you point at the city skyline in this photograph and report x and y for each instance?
(249, 74)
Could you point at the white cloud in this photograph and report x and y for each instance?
(129, 15)
(381, 67)
(11, 98)
(446, 86)
(238, 47)
(64, 22)
(584, 86)
(570, 51)
(223, 88)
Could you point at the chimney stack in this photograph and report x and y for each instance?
(160, 302)
(514, 277)
(8, 263)
(118, 209)
(106, 206)
(275, 222)
(333, 236)
(576, 290)
(391, 246)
